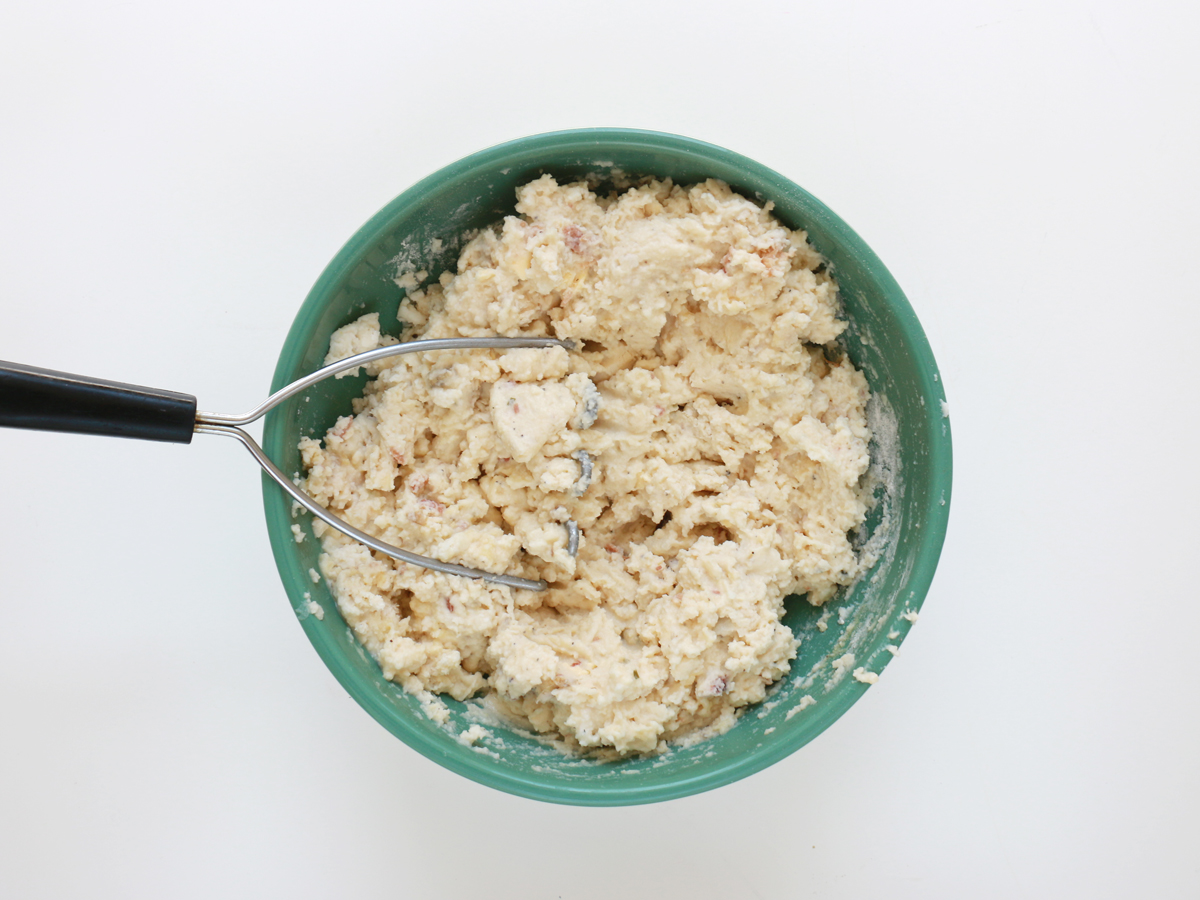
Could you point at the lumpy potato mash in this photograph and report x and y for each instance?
(696, 459)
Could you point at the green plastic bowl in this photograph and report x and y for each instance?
(911, 461)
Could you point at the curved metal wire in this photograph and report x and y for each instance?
(353, 362)
(215, 423)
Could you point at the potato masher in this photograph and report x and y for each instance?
(44, 400)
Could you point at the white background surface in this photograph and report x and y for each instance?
(174, 178)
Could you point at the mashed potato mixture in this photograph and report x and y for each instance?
(696, 459)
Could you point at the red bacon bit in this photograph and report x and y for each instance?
(433, 506)
(773, 258)
(575, 238)
(577, 662)
(397, 456)
(516, 409)
(418, 484)
(449, 604)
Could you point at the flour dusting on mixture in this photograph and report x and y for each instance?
(699, 457)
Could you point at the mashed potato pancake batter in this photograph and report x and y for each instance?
(694, 461)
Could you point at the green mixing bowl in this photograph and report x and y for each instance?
(424, 228)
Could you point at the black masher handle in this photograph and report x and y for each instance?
(44, 400)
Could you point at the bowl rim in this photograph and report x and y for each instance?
(475, 766)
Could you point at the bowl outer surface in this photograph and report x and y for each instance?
(911, 459)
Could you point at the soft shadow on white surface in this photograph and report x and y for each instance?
(172, 182)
